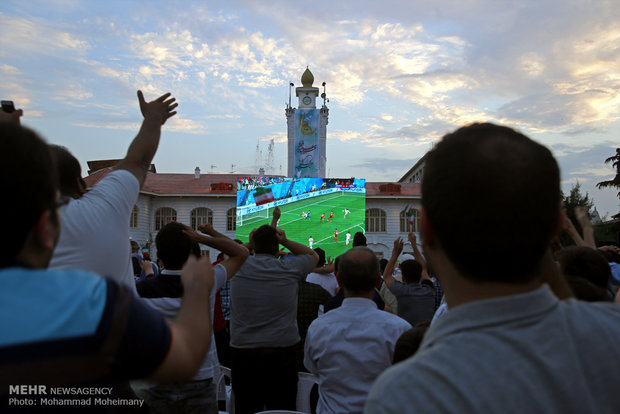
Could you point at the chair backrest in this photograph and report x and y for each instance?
(304, 386)
(224, 391)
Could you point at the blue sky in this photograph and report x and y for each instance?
(399, 75)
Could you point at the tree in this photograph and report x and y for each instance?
(614, 182)
(570, 201)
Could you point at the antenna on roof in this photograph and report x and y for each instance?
(232, 168)
(212, 167)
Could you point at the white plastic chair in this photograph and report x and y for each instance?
(305, 383)
(225, 392)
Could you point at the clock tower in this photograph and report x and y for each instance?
(307, 131)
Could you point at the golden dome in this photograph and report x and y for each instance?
(307, 79)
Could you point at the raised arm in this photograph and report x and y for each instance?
(417, 255)
(142, 149)
(571, 230)
(276, 216)
(389, 268)
(191, 330)
(237, 253)
(296, 248)
(581, 213)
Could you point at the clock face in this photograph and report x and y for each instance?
(306, 100)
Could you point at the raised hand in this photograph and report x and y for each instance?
(398, 246)
(206, 228)
(277, 213)
(412, 238)
(197, 272)
(160, 109)
(281, 235)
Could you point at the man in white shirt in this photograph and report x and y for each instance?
(95, 224)
(350, 346)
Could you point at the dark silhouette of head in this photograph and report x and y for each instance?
(411, 271)
(265, 240)
(587, 263)
(358, 270)
(359, 239)
(483, 185)
(28, 178)
(321, 253)
(174, 246)
(69, 172)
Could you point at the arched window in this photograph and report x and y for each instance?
(200, 215)
(163, 216)
(133, 220)
(406, 226)
(375, 220)
(231, 219)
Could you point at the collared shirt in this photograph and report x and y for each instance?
(527, 353)
(347, 349)
(327, 281)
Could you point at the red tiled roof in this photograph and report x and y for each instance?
(186, 184)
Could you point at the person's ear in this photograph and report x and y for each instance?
(80, 187)
(427, 234)
(46, 231)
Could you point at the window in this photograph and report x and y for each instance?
(200, 215)
(164, 216)
(133, 220)
(375, 220)
(405, 226)
(231, 219)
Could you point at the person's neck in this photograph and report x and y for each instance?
(460, 290)
(368, 295)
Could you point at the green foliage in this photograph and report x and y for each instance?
(614, 182)
(575, 199)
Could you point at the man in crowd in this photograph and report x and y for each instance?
(415, 296)
(72, 327)
(175, 242)
(94, 232)
(263, 327)
(490, 208)
(350, 346)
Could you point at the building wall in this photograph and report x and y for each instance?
(380, 242)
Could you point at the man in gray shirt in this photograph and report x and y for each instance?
(510, 343)
(263, 322)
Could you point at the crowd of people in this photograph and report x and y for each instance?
(491, 315)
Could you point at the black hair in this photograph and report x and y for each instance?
(411, 271)
(483, 186)
(29, 179)
(587, 263)
(359, 239)
(321, 253)
(173, 246)
(359, 270)
(68, 170)
(265, 240)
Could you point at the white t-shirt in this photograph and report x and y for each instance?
(327, 281)
(94, 232)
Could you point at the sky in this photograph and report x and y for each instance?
(399, 75)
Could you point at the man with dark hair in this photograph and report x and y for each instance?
(359, 239)
(175, 243)
(347, 348)
(72, 328)
(263, 327)
(415, 299)
(490, 208)
(95, 234)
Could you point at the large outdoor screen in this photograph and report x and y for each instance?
(318, 212)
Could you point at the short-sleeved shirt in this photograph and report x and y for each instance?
(51, 315)
(263, 297)
(94, 231)
(416, 301)
(347, 349)
(164, 294)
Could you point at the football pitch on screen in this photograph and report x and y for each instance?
(299, 228)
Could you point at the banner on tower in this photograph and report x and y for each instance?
(307, 123)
